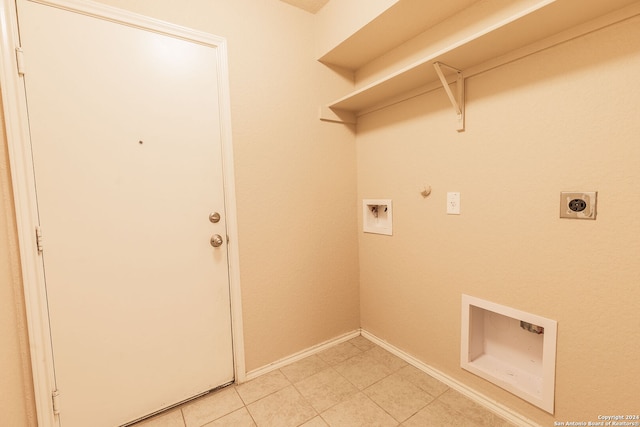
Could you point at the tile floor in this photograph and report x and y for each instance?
(356, 383)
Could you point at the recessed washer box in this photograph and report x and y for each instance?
(513, 349)
(377, 216)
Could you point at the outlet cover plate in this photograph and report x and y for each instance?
(578, 204)
(453, 203)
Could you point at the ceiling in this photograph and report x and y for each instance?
(311, 6)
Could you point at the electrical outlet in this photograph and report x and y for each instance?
(578, 205)
(453, 203)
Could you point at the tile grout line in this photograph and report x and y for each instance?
(361, 391)
(331, 367)
(246, 408)
(318, 413)
(415, 385)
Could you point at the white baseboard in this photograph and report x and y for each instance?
(300, 355)
(493, 406)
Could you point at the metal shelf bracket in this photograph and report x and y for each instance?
(458, 100)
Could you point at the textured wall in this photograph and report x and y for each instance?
(563, 119)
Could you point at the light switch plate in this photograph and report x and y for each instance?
(578, 204)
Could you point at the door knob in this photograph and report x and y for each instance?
(216, 240)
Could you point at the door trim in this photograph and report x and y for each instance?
(24, 191)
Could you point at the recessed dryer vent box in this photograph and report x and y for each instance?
(377, 216)
(510, 348)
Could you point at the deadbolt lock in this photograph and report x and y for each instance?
(214, 217)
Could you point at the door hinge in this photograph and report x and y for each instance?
(55, 397)
(39, 239)
(20, 60)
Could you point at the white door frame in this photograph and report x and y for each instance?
(24, 190)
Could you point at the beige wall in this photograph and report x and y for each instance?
(295, 184)
(564, 119)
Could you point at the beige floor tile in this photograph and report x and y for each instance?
(315, 422)
(325, 389)
(168, 419)
(339, 353)
(400, 398)
(304, 368)
(363, 370)
(262, 386)
(437, 414)
(362, 343)
(470, 410)
(422, 380)
(391, 361)
(284, 408)
(357, 411)
(211, 406)
(355, 383)
(501, 422)
(239, 418)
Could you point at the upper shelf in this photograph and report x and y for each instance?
(471, 36)
(398, 24)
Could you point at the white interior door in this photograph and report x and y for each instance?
(126, 142)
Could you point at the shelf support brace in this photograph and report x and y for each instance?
(458, 100)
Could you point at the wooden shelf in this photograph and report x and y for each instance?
(398, 24)
(500, 29)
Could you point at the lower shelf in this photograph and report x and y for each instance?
(510, 348)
